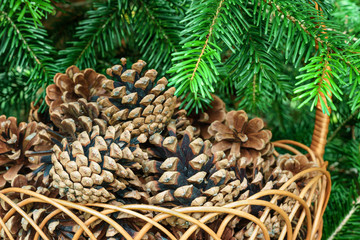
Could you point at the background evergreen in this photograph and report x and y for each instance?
(267, 57)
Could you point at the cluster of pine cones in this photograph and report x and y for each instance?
(123, 139)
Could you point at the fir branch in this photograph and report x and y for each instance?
(24, 45)
(20, 36)
(196, 65)
(254, 89)
(207, 40)
(347, 14)
(256, 72)
(294, 20)
(37, 9)
(93, 35)
(348, 220)
(157, 32)
(342, 124)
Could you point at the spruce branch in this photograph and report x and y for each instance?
(37, 9)
(342, 124)
(207, 40)
(294, 20)
(256, 72)
(163, 34)
(24, 46)
(208, 32)
(20, 36)
(348, 220)
(157, 32)
(101, 32)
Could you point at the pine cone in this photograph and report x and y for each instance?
(35, 114)
(15, 140)
(17, 225)
(96, 167)
(183, 172)
(71, 100)
(135, 98)
(201, 121)
(294, 164)
(240, 137)
(73, 85)
(274, 222)
(186, 173)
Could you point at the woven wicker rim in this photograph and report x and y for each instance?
(320, 181)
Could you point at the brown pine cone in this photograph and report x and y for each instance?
(136, 98)
(17, 225)
(294, 163)
(240, 137)
(71, 100)
(35, 115)
(73, 85)
(186, 173)
(15, 140)
(98, 168)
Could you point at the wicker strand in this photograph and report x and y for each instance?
(321, 129)
(322, 120)
(6, 229)
(320, 181)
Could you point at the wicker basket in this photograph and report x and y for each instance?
(307, 211)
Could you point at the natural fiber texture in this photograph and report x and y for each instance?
(302, 218)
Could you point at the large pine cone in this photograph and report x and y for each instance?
(136, 98)
(186, 173)
(95, 167)
(81, 99)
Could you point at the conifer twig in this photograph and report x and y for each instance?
(91, 40)
(161, 29)
(21, 37)
(207, 39)
(345, 220)
(333, 135)
(294, 20)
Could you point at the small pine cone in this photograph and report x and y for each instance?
(79, 116)
(239, 137)
(15, 140)
(295, 164)
(73, 85)
(70, 102)
(135, 98)
(201, 121)
(96, 168)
